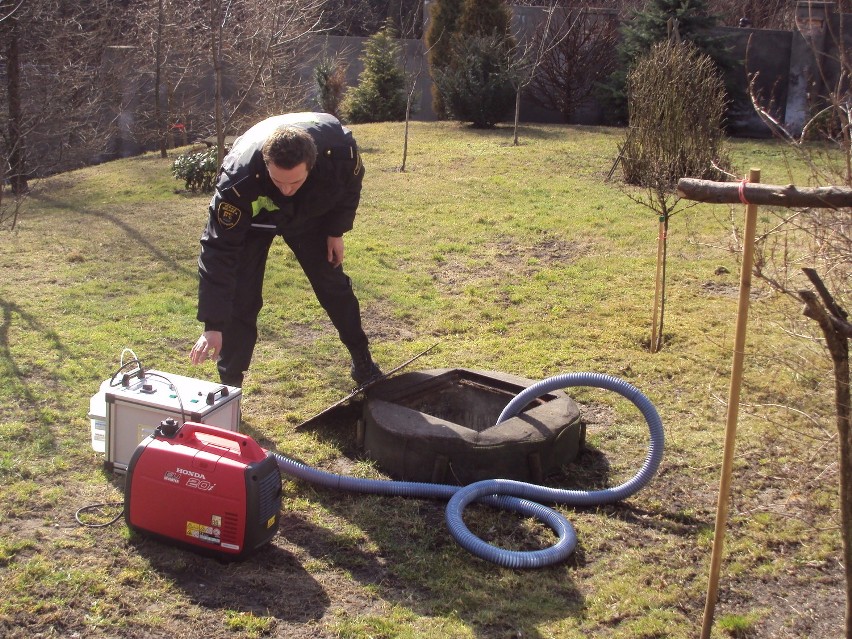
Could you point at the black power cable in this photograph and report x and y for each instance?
(78, 516)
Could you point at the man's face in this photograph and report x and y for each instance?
(288, 181)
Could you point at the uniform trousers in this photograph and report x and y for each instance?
(331, 285)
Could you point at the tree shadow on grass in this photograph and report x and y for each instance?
(138, 239)
(18, 382)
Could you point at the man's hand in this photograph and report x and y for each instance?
(207, 346)
(335, 251)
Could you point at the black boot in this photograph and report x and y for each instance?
(364, 369)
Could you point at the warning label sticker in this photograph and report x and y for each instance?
(201, 532)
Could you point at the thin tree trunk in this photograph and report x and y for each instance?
(17, 156)
(159, 116)
(517, 115)
(658, 280)
(663, 280)
(407, 123)
(216, 54)
(836, 329)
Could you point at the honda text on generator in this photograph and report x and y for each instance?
(205, 487)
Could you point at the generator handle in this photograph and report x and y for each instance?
(247, 446)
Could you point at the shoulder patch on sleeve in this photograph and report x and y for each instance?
(228, 215)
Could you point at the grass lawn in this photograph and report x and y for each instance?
(520, 259)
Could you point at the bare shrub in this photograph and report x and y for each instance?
(584, 55)
(676, 99)
(330, 77)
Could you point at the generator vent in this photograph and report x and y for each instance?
(269, 491)
(230, 528)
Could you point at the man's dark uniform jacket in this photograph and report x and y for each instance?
(247, 203)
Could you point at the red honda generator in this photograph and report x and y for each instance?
(214, 490)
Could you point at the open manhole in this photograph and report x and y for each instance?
(440, 426)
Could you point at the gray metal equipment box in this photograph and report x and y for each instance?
(135, 410)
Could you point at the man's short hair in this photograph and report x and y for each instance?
(289, 146)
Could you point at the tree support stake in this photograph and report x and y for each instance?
(733, 404)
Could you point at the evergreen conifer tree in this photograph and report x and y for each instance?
(485, 17)
(444, 17)
(651, 25)
(380, 93)
(474, 82)
(661, 20)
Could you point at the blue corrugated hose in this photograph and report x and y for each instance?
(516, 496)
